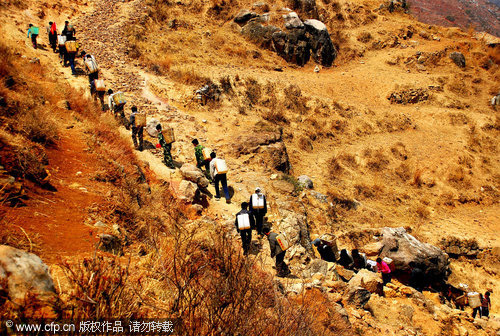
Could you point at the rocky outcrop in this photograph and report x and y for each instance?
(458, 58)
(259, 33)
(358, 296)
(21, 273)
(368, 280)
(292, 21)
(403, 248)
(187, 191)
(322, 49)
(244, 16)
(192, 173)
(293, 46)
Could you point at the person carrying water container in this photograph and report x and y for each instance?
(167, 147)
(385, 270)
(137, 130)
(244, 223)
(33, 31)
(201, 158)
(258, 208)
(218, 171)
(276, 251)
(91, 66)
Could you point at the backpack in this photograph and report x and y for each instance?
(221, 166)
(140, 119)
(257, 201)
(91, 65)
(99, 85)
(206, 153)
(243, 221)
(61, 40)
(119, 99)
(71, 46)
(168, 135)
(282, 242)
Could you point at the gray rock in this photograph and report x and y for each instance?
(316, 266)
(192, 173)
(151, 127)
(358, 296)
(244, 16)
(111, 244)
(322, 48)
(368, 280)
(296, 230)
(259, 34)
(458, 58)
(21, 273)
(403, 248)
(293, 46)
(187, 191)
(305, 181)
(292, 21)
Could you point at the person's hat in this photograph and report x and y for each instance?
(316, 241)
(257, 189)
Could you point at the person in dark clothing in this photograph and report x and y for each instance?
(52, 31)
(69, 31)
(325, 250)
(167, 147)
(258, 208)
(345, 259)
(200, 160)
(276, 251)
(417, 277)
(486, 305)
(244, 223)
(137, 131)
(33, 32)
(359, 260)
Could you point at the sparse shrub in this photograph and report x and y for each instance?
(364, 37)
(305, 144)
(39, 125)
(417, 178)
(275, 116)
(422, 212)
(378, 161)
(253, 91)
(225, 84)
(335, 169)
(403, 172)
(294, 100)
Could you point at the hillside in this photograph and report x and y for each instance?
(480, 15)
(393, 134)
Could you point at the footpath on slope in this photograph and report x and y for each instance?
(101, 33)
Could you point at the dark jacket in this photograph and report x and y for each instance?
(243, 211)
(326, 252)
(262, 211)
(273, 244)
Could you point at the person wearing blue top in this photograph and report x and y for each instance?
(33, 31)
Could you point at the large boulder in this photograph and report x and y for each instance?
(295, 228)
(316, 266)
(21, 273)
(191, 173)
(368, 280)
(187, 191)
(259, 34)
(151, 127)
(292, 21)
(458, 58)
(403, 248)
(322, 48)
(244, 16)
(358, 296)
(293, 46)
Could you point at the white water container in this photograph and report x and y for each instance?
(389, 263)
(282, 241)
(474, 299)
(91, 65)
(243, 221)
(221, 166)
(258, 201)
(99, 85)
(206, 153)
(61, 40)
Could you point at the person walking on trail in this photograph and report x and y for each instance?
(385, 270)
(244, 223)
(93, 75)
(97, 94)
(478, 309)
(117, 109)
(137, 131)
(200, 160)
(486, 305)
(325, 250)
(52, 31)
(358, 260)
(258, 208)
(218, 177)
(276, 251)
(167, 156)
(33, 32)
(68, 31)
(345, 259)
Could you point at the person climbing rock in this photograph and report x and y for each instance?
(258, 208)
(71, 52)
(167, 147)
(358, 259)
(33, 32)
(276, 251)
(325, 250)
(200, 160)
(97, 94)
(244, 223)
(137, 130)
(52, 31)
(345, 259)
(385, 270)
(218, 171)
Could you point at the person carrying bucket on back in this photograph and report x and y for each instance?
(33, 32)
(385, 270)
(244, 223)
(167, 147)
(258, 208)
(218, 171)
(201, 160)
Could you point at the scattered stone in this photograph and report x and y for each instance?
(21, 273)
(192, 173)
(322, 49)
(273, 176)
(458, 58)
(244, 16)
(292, 21)
(345, 274)
(410, 96)
(358, 296)
(64, 104)
(100, 224)
(305, 181)
(35, 60)
(316, 266)
(187, 191)
(110, 243)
